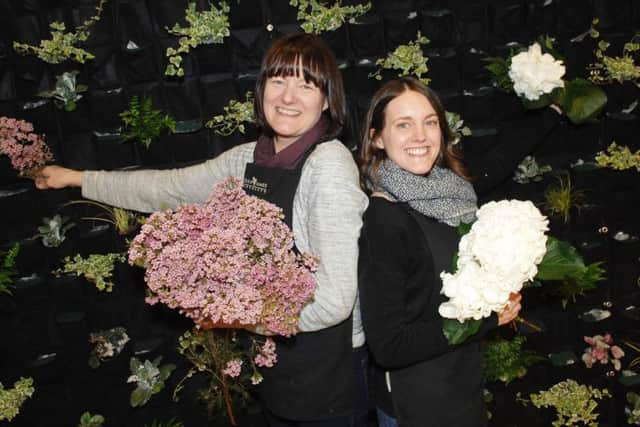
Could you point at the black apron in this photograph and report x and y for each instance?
(312, 378)
(445, 391)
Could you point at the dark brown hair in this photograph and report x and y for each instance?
(371, 156)
(308, 55)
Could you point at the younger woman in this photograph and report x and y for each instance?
(419, 193)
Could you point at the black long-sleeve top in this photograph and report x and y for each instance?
(399, 289)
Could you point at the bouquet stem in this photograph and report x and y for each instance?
(525, 322)
(223, 383)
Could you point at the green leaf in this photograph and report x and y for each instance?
(139, 397)
(463, 228)
(581, 100)
(543, 101)
(560, 261)
(134, 364)
(457, 332)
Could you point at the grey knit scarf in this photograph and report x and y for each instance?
(441, 194)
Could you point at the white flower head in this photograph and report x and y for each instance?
(535, 74)
(498, 255)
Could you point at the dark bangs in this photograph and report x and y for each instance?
(294, 64)
(308, 56)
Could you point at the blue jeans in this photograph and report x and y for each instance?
(385, 420)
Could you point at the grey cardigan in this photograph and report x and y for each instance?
(327, 216)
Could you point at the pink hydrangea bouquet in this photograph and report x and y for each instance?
(228, 263)
(28, 151)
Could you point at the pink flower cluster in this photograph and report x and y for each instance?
(229, 260)
(267, 356)
(601, 349)
(233, 369)
(27, 150)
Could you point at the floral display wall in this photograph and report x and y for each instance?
(126, 84)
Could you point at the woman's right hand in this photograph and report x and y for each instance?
(54, 177)
(511, 310)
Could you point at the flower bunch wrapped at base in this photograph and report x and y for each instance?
(228, 263)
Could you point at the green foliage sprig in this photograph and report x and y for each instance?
(96, 268)
(54, 230)
(408, 59)
(563, 265)
(210, 352)
(236, 113)
(506, 360)
(149, 377)
(12, 399)
(8, 268)
(317, 18)
(66, 91)
(62, 46)
(575, 404)
(614, 69)
(144, 124)
(124, 221)
(499, 68)
(88, 420)
(456, 126)
(529, 170)
(205, 27)
(561, 198)
(618, 157)
(634, 412)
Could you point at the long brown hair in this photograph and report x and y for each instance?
(308, 55)
(371, 156)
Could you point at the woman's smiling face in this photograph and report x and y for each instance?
(411, 136)
(291, 106)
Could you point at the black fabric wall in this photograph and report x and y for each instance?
(44, 326)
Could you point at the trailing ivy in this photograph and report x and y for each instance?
(317, 18)
(575, 404)
(236, 114)
(205, 27)
(618, 157)
(407, 59)
(62, 45)
(12, 399)
(95, 268)
(615, 69)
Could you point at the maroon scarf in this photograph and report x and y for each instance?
(265, 154)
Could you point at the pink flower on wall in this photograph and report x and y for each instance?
(602, 350)
(28, 151)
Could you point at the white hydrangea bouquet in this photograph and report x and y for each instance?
(536, 76)
(503, 250)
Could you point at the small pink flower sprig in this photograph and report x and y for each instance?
(602, 350)
(28, 151)
(229, 261)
